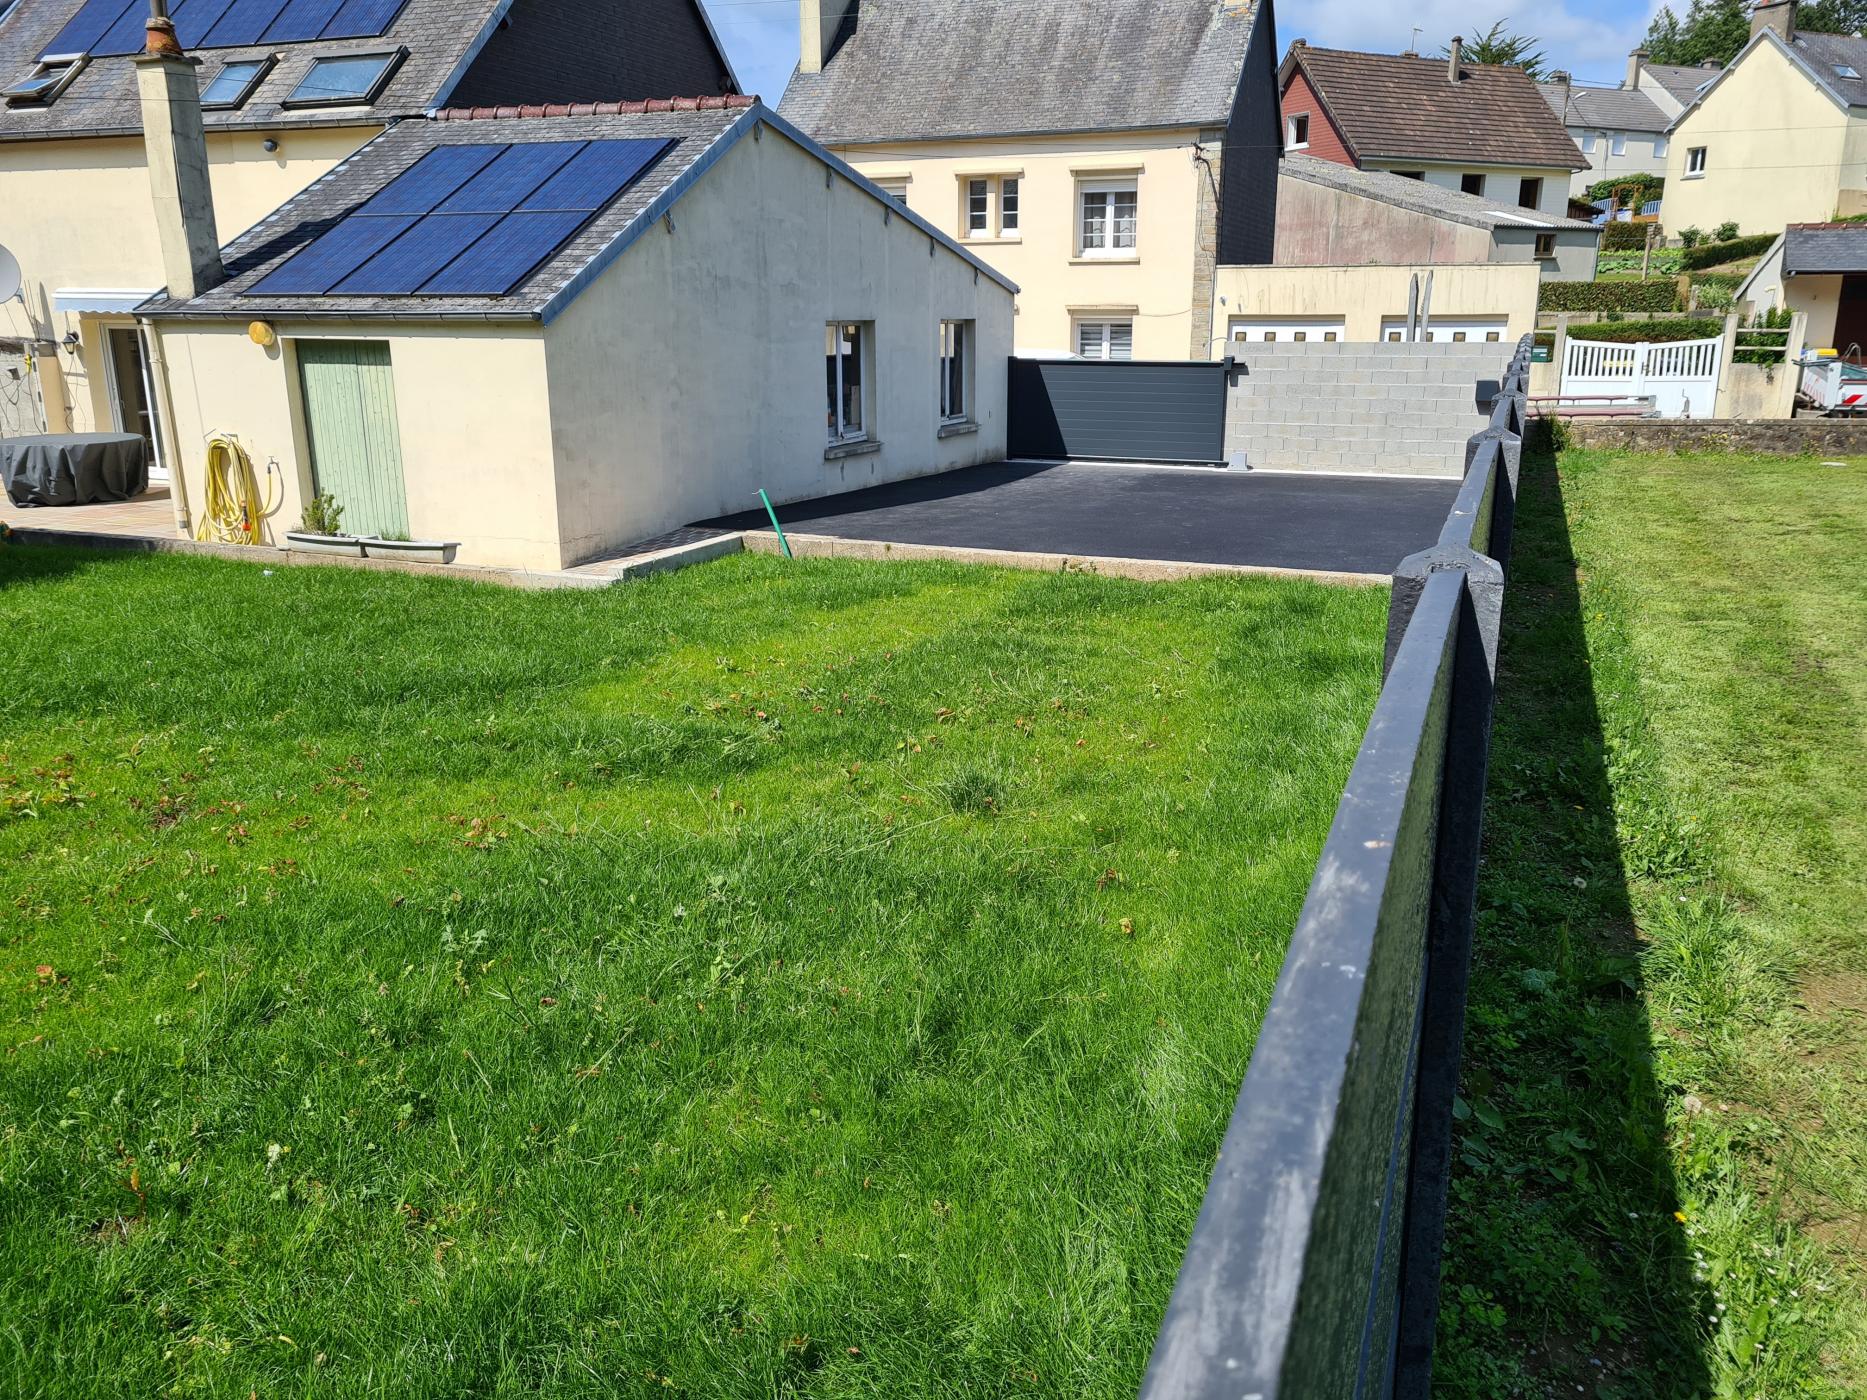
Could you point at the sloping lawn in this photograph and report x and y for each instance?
(819, 979)
(1662, 1183)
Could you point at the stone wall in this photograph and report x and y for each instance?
(1829, 437)
(1379, 408)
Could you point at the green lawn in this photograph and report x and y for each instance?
(771, 979)
(1662, 1183)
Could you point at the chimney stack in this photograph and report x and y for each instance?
(175, 148)
(1453, 55)
(1636, 61)
(1779, 15)
(818, 23)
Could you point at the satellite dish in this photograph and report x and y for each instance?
(9, 275)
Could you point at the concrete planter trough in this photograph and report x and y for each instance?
(308, 543)
(412, 551)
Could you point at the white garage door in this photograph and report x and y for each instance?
(1287, 330)
(1481, 329)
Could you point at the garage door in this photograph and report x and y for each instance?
(356, 443)
(1118, 410)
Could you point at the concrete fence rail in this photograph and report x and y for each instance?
(1313, 1268)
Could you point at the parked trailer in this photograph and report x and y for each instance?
(1836, 387)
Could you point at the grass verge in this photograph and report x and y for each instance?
(769, 979)
(1663, 1157)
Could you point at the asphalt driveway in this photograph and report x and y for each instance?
(1290, 521)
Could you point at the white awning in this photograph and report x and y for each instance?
(110, 300)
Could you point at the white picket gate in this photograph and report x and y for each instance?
(1681, 375)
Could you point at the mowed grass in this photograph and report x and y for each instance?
(771, 979)
(1662, 1174)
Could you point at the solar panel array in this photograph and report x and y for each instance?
(103, 28)
(464, 221)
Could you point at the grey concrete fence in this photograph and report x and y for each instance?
(1313, 1268)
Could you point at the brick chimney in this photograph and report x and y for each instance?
(1453, 56)
(818, 22)
(1779, 15)
(1636, 61)
(175, 150)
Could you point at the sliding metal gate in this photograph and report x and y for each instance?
(1119, 410)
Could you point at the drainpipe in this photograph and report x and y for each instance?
(165, 425)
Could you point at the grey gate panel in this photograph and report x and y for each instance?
(1118, 410)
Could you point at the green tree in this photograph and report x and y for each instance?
(1711, 29)
(1519, 50)
(1717, 29)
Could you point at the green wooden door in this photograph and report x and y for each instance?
(356, 445)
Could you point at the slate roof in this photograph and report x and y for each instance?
(1683, 82)
(1824, 249)
(440, 35)
(1400, 107)
(1604, 109)
(699, 128)
(1424, 198)
(1824, 54)
(929, 69)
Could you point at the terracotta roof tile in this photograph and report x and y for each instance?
(1397, 106)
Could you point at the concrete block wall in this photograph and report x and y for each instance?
(1402, 410)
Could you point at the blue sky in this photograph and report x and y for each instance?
(1589, 37)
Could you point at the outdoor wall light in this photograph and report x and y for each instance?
(262, 334)
(268, 145)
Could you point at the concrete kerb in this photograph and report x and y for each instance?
(1144, 570)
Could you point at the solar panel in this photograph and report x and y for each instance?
(431, 179)
(300, 20)
(84, 29)
(334, 255)
(506, 256)
(595, 175)
(512, 176)
(106, 28)
(465, 220)
(417, 255)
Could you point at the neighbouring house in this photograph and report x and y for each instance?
(549, 332)
(1106, 155)
(1673, 87)
(1779, 137)
(1334, 215)
(1479, 129)
(288, 89)
(1621, 130)
(1821, 271)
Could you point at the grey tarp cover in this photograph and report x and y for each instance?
(73, 469)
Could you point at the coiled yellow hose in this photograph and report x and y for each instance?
(234, 508)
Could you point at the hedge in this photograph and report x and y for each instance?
(1653, 332)
(1608, 296)
(1619, 237)
(1711, 254)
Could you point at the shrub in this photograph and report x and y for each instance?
(1711, 254)
(1725, 232)
(1763, 349)
(1714, 291)
(1689, 237)
(1658, 332)
(323, 516)
(1608, 296)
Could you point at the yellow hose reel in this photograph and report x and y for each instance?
(234, 506)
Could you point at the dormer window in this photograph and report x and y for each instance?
(45, 81)
(234, 84)
(345, 80)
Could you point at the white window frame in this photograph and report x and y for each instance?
(983, 215)
(1588, 143)
(1696, 159)
(1106, 192)
(1296, 138)
(956, 343)
(1662, 146)
(1617, 144)
(837, 352)
(1105, 329)
(895, 187)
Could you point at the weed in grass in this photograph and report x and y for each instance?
(713, 986)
